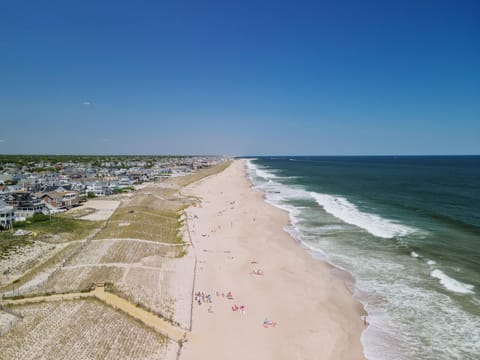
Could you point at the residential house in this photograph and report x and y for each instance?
(25, 203)
(124, 182)
(60, 199)
(98, 188)
(7, 215)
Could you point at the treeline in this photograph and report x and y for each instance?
(25, 160)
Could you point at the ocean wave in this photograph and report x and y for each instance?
(391, 334)
(250, 166)
(452, 284)
(334, 205)
(277, 194)
(267, 174)
(346, 211)
(264, 174)
(275, 191)
(290, 177)
(400, 307)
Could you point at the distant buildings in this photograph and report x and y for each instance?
(29, 188)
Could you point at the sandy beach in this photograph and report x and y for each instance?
(284, 304)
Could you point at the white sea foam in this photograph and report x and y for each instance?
(414, 254)
(276, 195)
(391, 334)
(250, 168)
(260, 172)
(349, 213)
(452, 284)
(264, 174)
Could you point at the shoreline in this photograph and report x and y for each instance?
(340, 273)
(236, 231)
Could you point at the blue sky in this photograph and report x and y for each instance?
(240, 77)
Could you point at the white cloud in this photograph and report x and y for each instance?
(86, 103)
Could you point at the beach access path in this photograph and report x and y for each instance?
(146, 317)
(284, 304)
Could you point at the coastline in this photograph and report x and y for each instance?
(235, 232)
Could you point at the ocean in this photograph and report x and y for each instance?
(407, 228)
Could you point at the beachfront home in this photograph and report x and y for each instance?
(60, 199)
(124, 182)
(98, 189)
(25, 203)
(7, 215)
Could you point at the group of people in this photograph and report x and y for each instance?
(240, 308)
(228, 295)
(201, 297)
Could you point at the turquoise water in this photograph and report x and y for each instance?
(406, 228)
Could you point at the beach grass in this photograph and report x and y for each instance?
(76, 213)
(54, 261)
(132, 222)
(56, 229)
(200, 174)
(82, 329)
(10, 244)
(155, 212)
(73, 280)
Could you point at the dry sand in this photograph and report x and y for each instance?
(17, 262)
(234, 231)
(103, 209)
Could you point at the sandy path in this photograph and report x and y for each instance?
(234, 232)
(144, 316)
